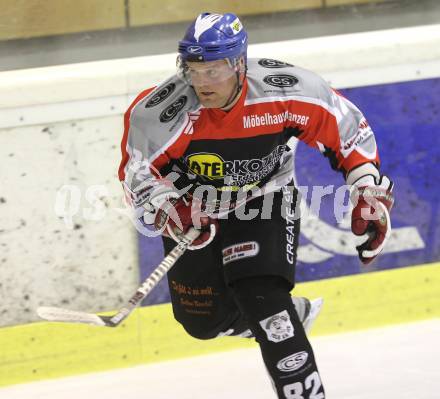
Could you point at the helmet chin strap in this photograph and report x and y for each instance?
(235, 93)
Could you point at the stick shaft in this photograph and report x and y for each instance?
(71, 316)
(156, 276)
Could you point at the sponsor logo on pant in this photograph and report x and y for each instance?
(293, 362)
(240, 251)
(278, 327)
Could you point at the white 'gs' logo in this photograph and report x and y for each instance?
(293, 362)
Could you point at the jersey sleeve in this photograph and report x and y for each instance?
(135, 172)
(339, 130)
(149, 143)
(125, 150)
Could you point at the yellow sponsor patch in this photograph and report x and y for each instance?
(207, 165)
(236, 26)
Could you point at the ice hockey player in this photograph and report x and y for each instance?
(210, 148)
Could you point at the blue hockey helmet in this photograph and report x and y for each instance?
(213, 37)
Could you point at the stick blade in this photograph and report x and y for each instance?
(69, 316)
(316, 306)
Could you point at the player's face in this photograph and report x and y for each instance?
(214, 82)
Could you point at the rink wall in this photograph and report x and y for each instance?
(62, 125)
(33, 18)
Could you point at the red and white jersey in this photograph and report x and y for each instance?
(167, 129)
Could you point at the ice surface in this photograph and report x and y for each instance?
(388, 363)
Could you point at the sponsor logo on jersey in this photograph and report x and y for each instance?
(172, 110)
(278, 327)
(362, 135)
(161, 95)
(293, 362)
(240, 172)
(270, 63)
(274, 119)
(208, 165)
(280, 80)
(239, 251)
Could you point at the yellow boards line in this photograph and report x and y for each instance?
(48, 350)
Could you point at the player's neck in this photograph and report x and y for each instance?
(228, 107)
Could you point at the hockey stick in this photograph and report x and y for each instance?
(72, 316)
